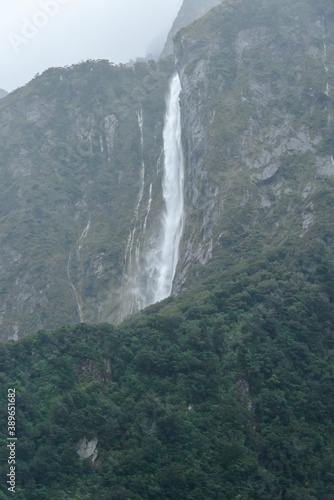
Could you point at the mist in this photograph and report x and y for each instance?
(38, 34)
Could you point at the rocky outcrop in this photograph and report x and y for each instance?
(87, 449)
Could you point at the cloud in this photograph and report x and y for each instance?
(38, 34)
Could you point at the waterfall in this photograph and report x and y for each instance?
(326, 68)
(80, 244)
(172, 224)
(131, 238)
(148, 277)
(142, 168)
(148, 208)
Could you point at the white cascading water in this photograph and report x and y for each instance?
(172, 224)
(149, 273)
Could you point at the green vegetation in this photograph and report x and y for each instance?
(63, 166)
(222, 394)
(225, 391)
(257, 72)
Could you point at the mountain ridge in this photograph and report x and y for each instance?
(189, 11)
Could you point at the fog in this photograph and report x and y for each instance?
(38, 34)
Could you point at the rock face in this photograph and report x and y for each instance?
(190, 10)
(70, 179)
(87, 449)
(3, 93)
(257, 126)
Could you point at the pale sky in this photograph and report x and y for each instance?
(38, 34)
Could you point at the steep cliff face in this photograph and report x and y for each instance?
(71, 178)
(190, 10)
(258, 129)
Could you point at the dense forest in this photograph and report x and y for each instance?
(221, 394)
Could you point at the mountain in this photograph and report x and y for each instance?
(3, 93)
(190, 10)
(82, 164)
(71, 178)
(224, 390)
(257, 132)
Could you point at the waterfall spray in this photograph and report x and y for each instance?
(173, 179)
(150, 271)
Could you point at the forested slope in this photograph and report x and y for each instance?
(216, 394)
